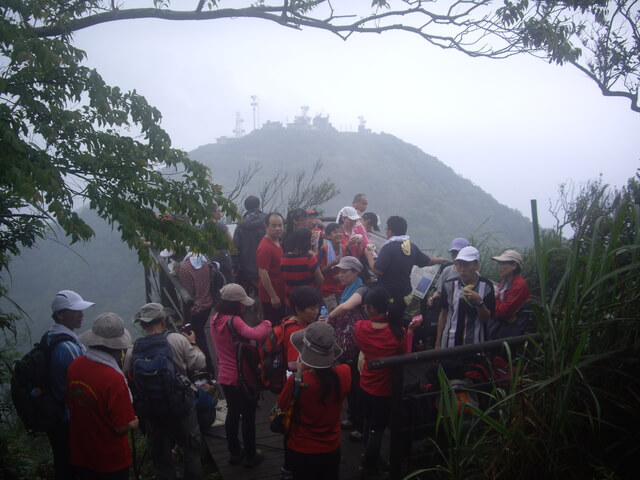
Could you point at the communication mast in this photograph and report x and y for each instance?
(256, 111)
(239, 131)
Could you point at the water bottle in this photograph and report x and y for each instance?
(276, 361)
(324, 313)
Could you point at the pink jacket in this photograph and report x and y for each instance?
(357, 248)
(226, 351)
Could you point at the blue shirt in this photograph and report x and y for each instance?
(61, 357)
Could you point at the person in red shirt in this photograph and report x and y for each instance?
(100, 407)
(298, 265)
(354, 235)
(381, 335)
(317, 229)
(312, 447)
(512, 296)
(329, 256)
(270, 278)
(305, 303)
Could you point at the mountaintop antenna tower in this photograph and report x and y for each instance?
(256, 111)
(238, 131)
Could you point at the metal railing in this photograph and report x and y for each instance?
(163, 287)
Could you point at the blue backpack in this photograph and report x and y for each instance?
(161, 390)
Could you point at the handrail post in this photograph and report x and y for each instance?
(395, 449)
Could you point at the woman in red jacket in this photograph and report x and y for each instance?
(313, 442)
(512, 297)
(381, 335)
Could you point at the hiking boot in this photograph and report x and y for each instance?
(346, 424)
(250, 462)
(235, 458)
(285, 474)
(355, 436)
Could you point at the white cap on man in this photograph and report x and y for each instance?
(69, 300)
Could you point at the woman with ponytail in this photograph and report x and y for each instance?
(312, 448)
(381, 335)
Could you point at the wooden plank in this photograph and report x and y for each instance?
(273, 448)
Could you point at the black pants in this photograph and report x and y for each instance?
(354, 402)
(377, 413)
(313, 466)
(87, 474)
(198, 321)
(59, 440)
(239, 404)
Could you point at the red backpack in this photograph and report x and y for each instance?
(273, 356)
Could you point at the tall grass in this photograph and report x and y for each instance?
(573, 408)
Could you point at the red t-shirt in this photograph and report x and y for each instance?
(331, 283)
(99, 401)
(378, 343)
(268, 256)
(297, 270)
(315, 426)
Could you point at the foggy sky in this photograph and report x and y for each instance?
(516, 127)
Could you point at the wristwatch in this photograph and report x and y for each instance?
(480, 304)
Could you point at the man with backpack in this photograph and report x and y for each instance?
(67, 307)
(246, 238)
(159, 364)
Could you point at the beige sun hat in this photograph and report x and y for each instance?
(107, 331)
(509, 256)
(153, 311)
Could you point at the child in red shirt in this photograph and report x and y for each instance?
(381, 335)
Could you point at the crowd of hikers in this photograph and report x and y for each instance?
(302, 306)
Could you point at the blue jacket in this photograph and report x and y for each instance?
(61, 357)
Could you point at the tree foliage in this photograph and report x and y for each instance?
(579, 207)
(67, 138)
(599, 37)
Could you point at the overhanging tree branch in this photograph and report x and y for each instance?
(598, 37)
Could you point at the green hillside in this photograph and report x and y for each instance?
(398, 178)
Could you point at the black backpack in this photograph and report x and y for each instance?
(31, 393)
(218, 280)
(161, 391)
(248, 362)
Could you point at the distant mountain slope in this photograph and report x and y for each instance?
(398, 178)
(104, 271)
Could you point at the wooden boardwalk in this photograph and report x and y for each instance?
(272, 446)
